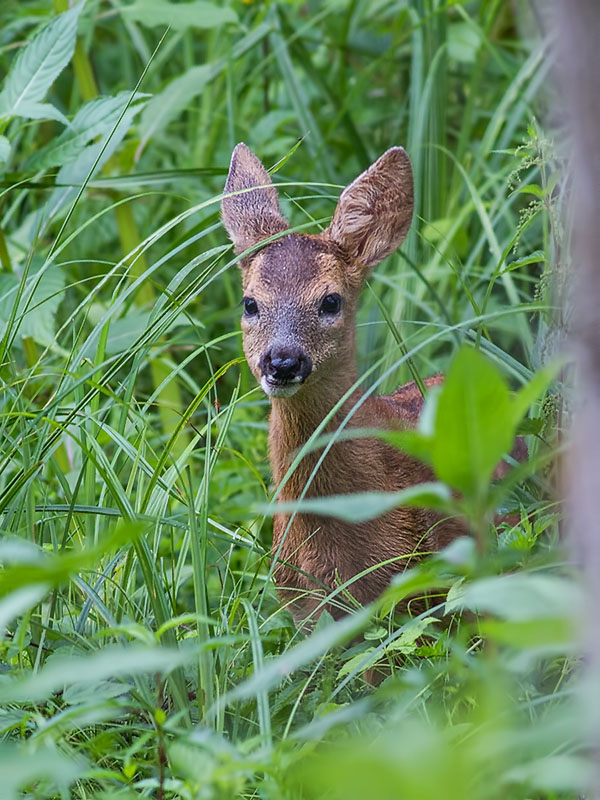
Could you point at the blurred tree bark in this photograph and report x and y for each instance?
(576, 28)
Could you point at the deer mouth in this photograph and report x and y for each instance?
(281, 388)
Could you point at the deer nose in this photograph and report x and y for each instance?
(285, 364)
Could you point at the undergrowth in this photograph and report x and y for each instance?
(144, 651)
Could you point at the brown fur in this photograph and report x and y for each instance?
(329, 550)
(288, 279)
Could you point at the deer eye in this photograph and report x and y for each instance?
(250, 307)
(331, 304)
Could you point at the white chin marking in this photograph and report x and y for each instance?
(285, 390)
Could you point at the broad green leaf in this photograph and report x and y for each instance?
(519, 597)
(94, 691)
(361, 662)
(42, 111)
(464, 40)
(39, 63)
(90, 160)
(406, 643)
(364, 506)
(22, 765)
(413, 443)
(536, 633)
(109, 663)
(530, 425)
(93, 119)
(31, 565)
(127, 329)
(17, 603)
(412, 582)
(474, 424)
(38, 304)
(557, 773)
(179, 16)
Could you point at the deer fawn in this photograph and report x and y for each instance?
(300, 297)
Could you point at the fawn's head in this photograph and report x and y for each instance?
(300, 291)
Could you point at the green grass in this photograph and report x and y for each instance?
(144, 650)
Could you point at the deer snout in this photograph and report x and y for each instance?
(285, 364)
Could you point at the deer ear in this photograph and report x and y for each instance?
(374, 212)
(250, 216)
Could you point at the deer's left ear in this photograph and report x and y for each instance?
(253, 215)
(374, 212)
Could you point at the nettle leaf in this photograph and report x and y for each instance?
(364, 506)
(39, 64)
(92, 120)
(42, 111)
(180, 16)
(407, 642)
(90, 160)
(474, 424)
(360, 663)
(38, 304)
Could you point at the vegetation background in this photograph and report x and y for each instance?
(143, 649)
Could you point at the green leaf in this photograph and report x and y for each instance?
(558, 773)
(533, 425)
(179, 16)
(533, 258)
(413, 443)
(406, 643)
(464, 40)
(537, 633)
(24, 764)
(18, 603)
(474, 424)
(523, 399)
(364, 506)
(532, 188)
(37, 306)
(93, 119)
(41, 111)
(4, 149)
(174, 98)
(361, 662)
(39, 64)
(90, 160)
(109, 663)
(519, 597)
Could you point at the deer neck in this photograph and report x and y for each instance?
(295, 419)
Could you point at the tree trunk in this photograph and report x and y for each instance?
(576, 27)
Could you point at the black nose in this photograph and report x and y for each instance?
(285, 363)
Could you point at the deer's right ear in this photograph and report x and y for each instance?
(253, 215)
